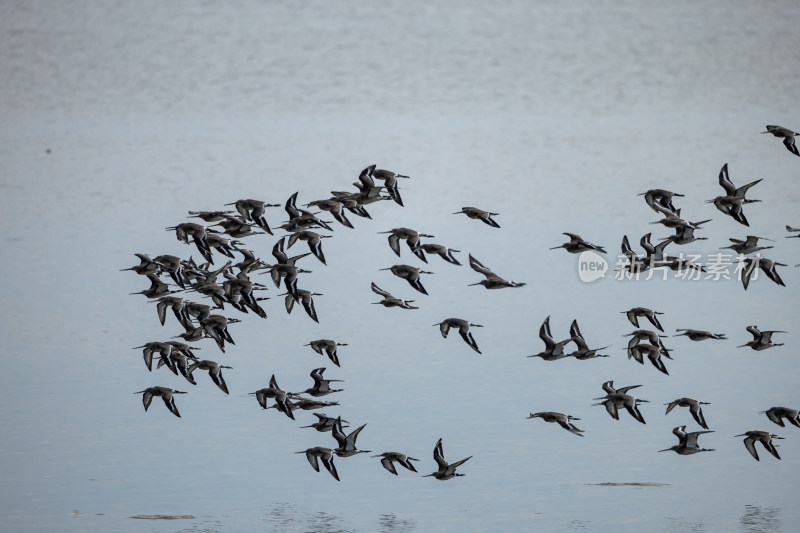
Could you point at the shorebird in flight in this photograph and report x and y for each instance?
(687, 442)
(325, 455)
(214, 370)
(323, 423)
(492, 281)
(775, 414)
(761, 339)
(347, 443)
(616, 398)
(583, 351)
(146, 266)
(764, 437)
(694, 409)
(314, 242)
(389, 179)
(636, 312)
(328, 346)
(389, 458)
(391, 301)
(305, 298)
(273, 391)
(563, 420)
(731, 190)
(577, 245)
(747, 246)
(322, 386)
(660, 200)
(552, 350)
(410, 236)
(442, 251)
(767, 265)
(787, 135)
(463, 330)
(479, 214)
(252, 210)
(700, 335)
(446, 470)
(165, 393)
(410, 274)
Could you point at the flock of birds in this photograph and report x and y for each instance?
(178, 285)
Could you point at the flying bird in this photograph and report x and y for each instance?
(764, 437)
(389, 458)
(694, 409)
(479, 214)
(577, 245)
(687, 442)
(446, 470)
(563, 420)
(165, 393)
(463, 330)
(788, 137)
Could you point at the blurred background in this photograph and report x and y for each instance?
(118, 118)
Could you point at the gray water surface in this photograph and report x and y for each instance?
(118, 118)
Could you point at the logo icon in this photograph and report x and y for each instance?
(591, 266)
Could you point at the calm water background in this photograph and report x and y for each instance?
(119, 117)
